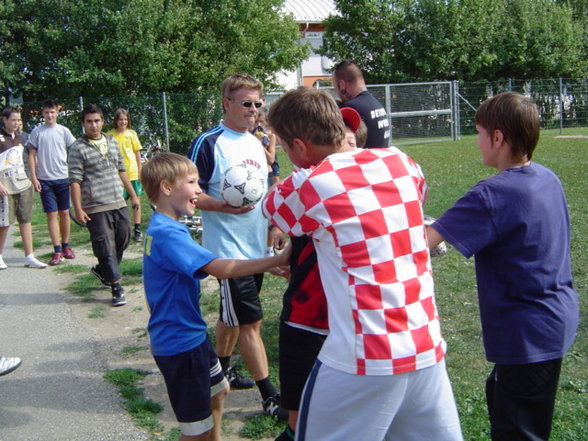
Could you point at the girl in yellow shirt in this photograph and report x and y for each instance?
(130, 148)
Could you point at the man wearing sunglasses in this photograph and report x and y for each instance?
(236, 233)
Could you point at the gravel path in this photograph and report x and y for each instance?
(58, 393)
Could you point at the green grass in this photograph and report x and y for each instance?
(451, 168)
(97, 312)
(142, 410)
(130, 350)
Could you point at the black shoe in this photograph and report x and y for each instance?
(137, 236)
(238, 381)
(118, 295)
(96, 272)
(272, 407)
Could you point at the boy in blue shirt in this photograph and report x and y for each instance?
(173, 264)
(516, 224)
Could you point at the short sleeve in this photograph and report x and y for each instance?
(135, 141)
(69, 138)
(180, 253)
(286, 209)
(468, 224)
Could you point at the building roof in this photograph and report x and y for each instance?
(310, 11)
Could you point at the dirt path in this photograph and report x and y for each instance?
(124, 328)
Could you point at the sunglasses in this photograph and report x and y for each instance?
(248, 104)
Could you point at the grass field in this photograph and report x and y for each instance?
(451, 168)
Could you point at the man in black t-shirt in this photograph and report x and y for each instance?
(350, 86)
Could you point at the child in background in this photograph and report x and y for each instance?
(268, 141)
(516, 225)
(173, 264)
(48, 147)
(130, 149)
(355, 129)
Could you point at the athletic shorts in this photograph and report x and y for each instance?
(413, 406)
(239, 300)
(299, 349)
(275, 169)
(192, 378)
(55, 195)
(16, 206)
(136, 186)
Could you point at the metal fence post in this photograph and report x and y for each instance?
(455, 117)
(165, 124)
(389, 110)
(561, 105)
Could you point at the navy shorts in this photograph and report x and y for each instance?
(192, 378)
(299, 350)
(55, 195)
(239, 300)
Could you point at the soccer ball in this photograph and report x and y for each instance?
(243, 185)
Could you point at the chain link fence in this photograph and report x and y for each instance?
(418, 112)
(562, 102)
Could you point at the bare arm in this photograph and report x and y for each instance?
(76, 199)
(227, 268)
(279, 238)
(209, 203)
(433, 237)
(33, 169)
(270, 150)
(138, 159)
(135, 202)
(3, 190)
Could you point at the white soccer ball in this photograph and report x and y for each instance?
(243, 185)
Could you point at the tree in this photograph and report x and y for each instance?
(425, 40)
(70, 48)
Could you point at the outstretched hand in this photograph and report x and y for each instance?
(226, 208)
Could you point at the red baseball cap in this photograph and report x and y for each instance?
(351, 118)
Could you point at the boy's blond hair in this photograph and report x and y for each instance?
(308, 114)
(517, 117)
(164, 166)
(237, 81)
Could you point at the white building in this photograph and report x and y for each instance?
(309, 14)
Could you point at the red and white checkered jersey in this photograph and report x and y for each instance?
(363, 210)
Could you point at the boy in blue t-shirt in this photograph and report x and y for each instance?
(173, 264)
(516, 224)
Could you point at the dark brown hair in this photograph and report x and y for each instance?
(517, 117)
(308, 114)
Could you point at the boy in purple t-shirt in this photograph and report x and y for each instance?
(516, 224)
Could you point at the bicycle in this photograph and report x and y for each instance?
(152, 148)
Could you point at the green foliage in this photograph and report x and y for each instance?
(124, 376)
(262, 426)
(469, 40)
(89, 47)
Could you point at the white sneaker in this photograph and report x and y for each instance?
(2, 264)
(8, 364)
(31, 262)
